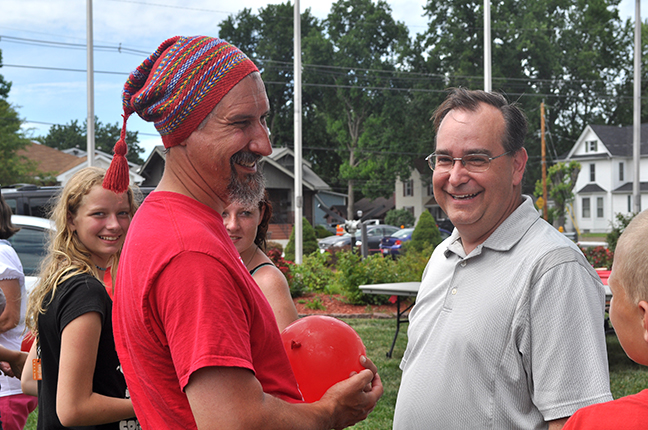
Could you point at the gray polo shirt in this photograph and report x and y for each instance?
(508, 337)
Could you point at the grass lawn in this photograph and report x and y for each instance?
(626, 377)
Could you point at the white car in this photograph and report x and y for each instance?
(30, 244)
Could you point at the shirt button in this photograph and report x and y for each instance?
(454, 291)
(463, 264)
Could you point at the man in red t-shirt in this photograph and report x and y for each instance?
(196, 338)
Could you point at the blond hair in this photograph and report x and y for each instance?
(67, 256)
(632, 269)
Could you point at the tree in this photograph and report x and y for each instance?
(367, 42)
(425, 233)
(618, 226)
(560, 188)
(401, 217)
(73, 135)
(566, 52)
(5, 86)
(309, 241)
(14, 168)
(267, 38)
(622, 105)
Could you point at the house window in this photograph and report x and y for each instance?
(430, 189)
(592, 172)
(599, 207)
(590, 146)
(629, 203)
(407, 188)
(621, 172)
(586, 207)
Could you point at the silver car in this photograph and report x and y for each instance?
(30, 244)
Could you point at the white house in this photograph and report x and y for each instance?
(604, 186)
(416, 194)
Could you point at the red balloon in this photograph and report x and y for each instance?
(322, 351)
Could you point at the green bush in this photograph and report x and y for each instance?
(410, 266)
(400, 217)
(312, 275)
(425, 233)
(308, 238)
(321, 232)
(618, 226)
(353, 272)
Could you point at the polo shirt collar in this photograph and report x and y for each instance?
(505, 236)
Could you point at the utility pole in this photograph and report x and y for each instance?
(299, 200)
(488, 86)
(90, 82)
(545, 213)
(636, 128)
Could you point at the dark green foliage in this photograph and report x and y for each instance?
(14, 168)
(321, 232)
(561, 179)
(309, 240)
(73, 135)
(352, 272)
(400, 218)
(618, 226)
(426, 234)
(312, 275)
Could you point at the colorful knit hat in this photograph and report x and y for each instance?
(176, 88)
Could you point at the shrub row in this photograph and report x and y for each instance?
(346, 271)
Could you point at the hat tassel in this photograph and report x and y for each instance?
(117, 176)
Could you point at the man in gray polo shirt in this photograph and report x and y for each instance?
(507, 330)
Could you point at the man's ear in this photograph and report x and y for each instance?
(643, 308)
(519, 165)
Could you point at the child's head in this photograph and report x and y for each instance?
(629, 284)
(66, 210)
(82, 234)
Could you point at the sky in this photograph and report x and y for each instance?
(44, 55)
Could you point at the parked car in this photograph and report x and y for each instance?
(32, 200)
(26, 199)
(30, 244)
(393, 244)
(374, 234)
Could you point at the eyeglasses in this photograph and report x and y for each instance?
(472, 162)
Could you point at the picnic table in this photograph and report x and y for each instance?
(398, 290)
(410, 289)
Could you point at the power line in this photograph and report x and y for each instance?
(63, 69)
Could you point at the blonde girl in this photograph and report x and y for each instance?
(77, 376)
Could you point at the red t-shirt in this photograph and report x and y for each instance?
(184, 301)
(626, 413)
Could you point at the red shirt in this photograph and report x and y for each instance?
(626, 413)
(184, 301)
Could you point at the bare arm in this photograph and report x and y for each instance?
(27, 382)
(232, 398)
(76, 403)
(11, 315)
(276, 290)
(16, 360)
(557, 424)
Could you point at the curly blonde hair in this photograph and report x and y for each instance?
(67, 256)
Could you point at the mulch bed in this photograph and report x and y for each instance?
(335, 305)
